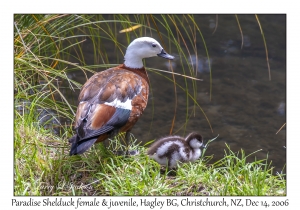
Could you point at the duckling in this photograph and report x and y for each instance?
(112, 101)
(171, 150)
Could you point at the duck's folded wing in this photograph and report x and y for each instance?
(99, 120)
(108, 119)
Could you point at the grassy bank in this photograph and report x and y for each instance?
(43, 167)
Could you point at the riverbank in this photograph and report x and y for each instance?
(43, 167)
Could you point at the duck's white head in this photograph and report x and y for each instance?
(143, 47)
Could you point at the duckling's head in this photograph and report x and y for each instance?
(195, 140)
(143, 47)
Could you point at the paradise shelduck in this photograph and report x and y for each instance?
(112, 100)
(171, 150)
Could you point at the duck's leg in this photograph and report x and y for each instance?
(126, 144)
(127, 141)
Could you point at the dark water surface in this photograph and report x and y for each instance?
(246, 109)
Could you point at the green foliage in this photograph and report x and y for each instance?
(43, 167)
(47, 50)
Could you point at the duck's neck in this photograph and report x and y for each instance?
(132, 60)
(139, 71)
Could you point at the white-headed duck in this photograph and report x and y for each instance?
(112, 100)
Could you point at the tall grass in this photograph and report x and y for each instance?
(49, 48)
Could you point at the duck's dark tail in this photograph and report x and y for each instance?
(79, 147)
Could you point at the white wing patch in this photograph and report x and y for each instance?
(118, 104)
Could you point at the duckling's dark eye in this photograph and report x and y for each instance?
(153, 45)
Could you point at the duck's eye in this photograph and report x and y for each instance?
(153, 45)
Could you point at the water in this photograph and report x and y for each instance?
(246, 109)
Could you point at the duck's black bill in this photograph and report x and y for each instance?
(165, 55)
